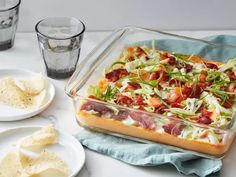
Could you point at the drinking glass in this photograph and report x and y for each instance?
(9, 15)
(60, 41)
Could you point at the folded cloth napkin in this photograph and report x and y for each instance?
(142, 154)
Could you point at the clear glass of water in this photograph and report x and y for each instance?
(60, 41)
(9, 15)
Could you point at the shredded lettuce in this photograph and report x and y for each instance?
(213, 103)
(230, 64)
(213, 138)
(193, 104)
(142, 62)
(149, 108)
(95, 91)
(129, 66)
(145, 90)
(191, 132)
(180, 111)
(162, 94)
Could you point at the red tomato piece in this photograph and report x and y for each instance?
(204, 119)
(231, 75)
(211, 65)
(188, 67)
(138, 100)
(124, 100)
(116, 74)
(134, 85)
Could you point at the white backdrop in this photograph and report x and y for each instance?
(109, 14)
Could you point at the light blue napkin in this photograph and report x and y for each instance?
(141, 154)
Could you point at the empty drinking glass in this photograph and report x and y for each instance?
(9, 10)
(59, 42)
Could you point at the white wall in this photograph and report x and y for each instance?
(109, 14)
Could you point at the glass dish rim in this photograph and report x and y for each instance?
(70, 92)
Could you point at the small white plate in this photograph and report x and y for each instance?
(67, 148)
(8, 113)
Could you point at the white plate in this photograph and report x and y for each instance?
(67, 148)
(8, 113)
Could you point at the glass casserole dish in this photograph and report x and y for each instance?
(176, 127)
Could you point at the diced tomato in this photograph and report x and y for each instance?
(169, 60)
(154, 76)
(116, 74)
(160, 109)
(211, 65)
(188, 67)
(197, 90)
(153, 101)
(138, 100)
(231, 75)
(187, 91)
(204, 119)
(227, 104)
(176, 105)
(124, 100)
(161, 75)
(134, 85)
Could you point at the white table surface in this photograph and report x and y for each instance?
(25, 54)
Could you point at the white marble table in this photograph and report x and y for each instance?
(25, 54)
